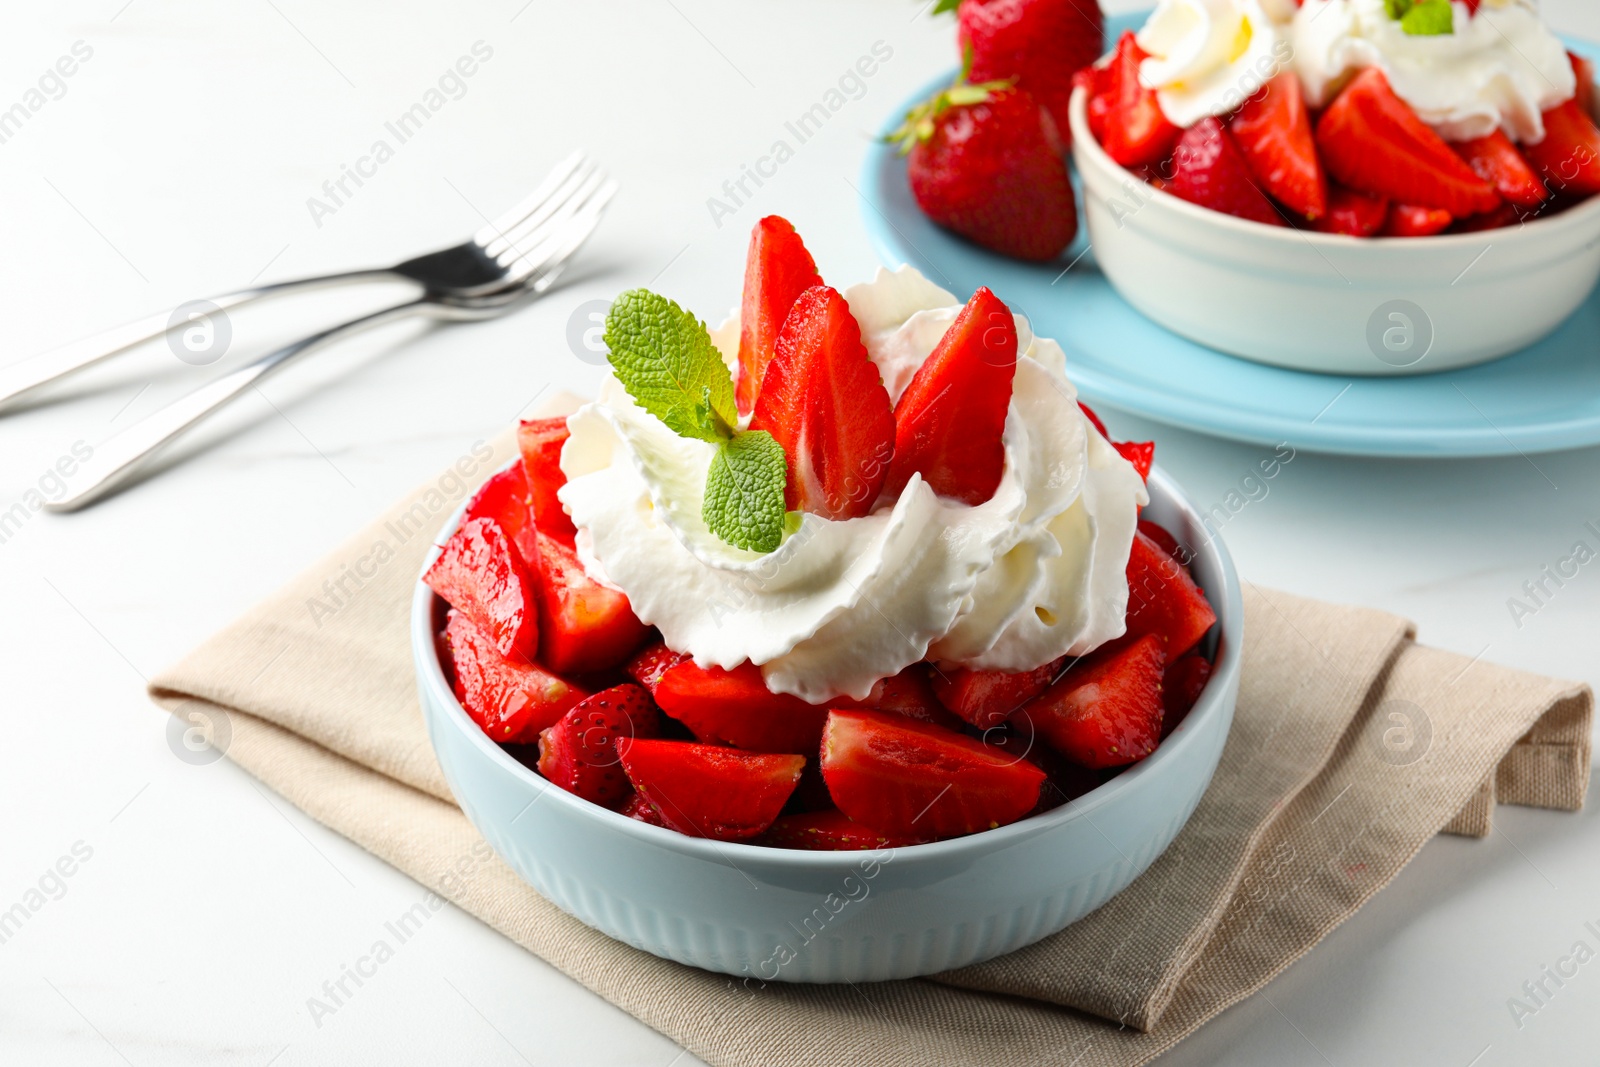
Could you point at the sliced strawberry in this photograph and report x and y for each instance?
(1106, 710)
(511, 700)
(987, 163)
(830, 830)
(1371, 141)
(582, 753)
(1353, 214)
(706, 791)
(949, 420)
(1141, 454)
(1496, 160)
(1208, 169)
(1040, 44)
(651, 663)
(1064, 779)
(1096, 82)
(776, 271)
(736, 708)
(1094, 419)
(908, 693)
(1137, 131)
(987, 698)
(504, 498)
(639, 808)
(481, 574)
(912, 779)
(1181, 687)
(1569, 155)
(1507, 214)
(1163, 599)
(1273, 130)
(540, 442)
(1162, 537)
(1409, 220)
(585, 626)
(824, 401)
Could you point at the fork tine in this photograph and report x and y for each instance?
(506, 250)
(594, 200)
(542, 263)
(572, 192)
(552, 181)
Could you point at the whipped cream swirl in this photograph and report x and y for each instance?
(1501, 68)
(1034, 573)
(1207, 57)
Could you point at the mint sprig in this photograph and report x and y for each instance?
(664, 358)
(1423, 18)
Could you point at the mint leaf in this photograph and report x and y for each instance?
(664, 357)
(744, 492)
(944, 7)
(1397, 8)
(1429, 18)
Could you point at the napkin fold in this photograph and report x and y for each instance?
(1351, 747)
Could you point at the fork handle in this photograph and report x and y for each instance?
(121, 457)
(30, 374)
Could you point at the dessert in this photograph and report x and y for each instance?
(1395, 118)
(898, 592)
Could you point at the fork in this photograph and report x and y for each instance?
(522, 275)
(470, 268)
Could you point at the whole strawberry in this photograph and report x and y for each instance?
(986, 162)
(1040, 44)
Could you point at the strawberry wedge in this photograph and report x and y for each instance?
(1569, 155)
(1373, 142)
(481, 574)
(540, 442)
(1135, 129)
(504, 498)
(736, 708)
(830, 830)
(582, 752)
(1496, 160)
(583, 625)
(1163, 600)
(777, 270)
(1273, 130)
(1106, 710)
(1353, 214)
(650, 663)
(706, 791)
(824, 401)
(511, 700)
(987, 698)
(914, 780)
(1209, 169)
(949, 420)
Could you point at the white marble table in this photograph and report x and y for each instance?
(180, 157)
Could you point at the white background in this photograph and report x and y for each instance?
(179, 162)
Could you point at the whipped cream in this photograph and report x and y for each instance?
(1207, 57)
(1034, 573)
(1501, 68)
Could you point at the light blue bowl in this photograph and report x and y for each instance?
(781, 915)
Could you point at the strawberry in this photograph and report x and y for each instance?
(986, 162)
(908, 693)
(481, 574)
(915, 780)
(830, 830)
(1496, 160)
(504, 498)
(1208, 169)
(1136, 130)
(651, 663)
(1163, 599)
(511, 700)
(736, 708)
(582, 752)
(987, 698)
(1094, 420)
(584, 625)
(1163, 539)
(639, 808)
(824, 401)
(540, 442)
(1569, 155)
(949, 420)
(1409, 220)
(1273, 130)
(1371, 141)
(1039, 44)
(1106, 710)
(777, 270)
(1353, 214)
(1507, 214)
(706, 791)
(1181, 686)
(1141, 454)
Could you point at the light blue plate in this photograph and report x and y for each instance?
(1542, 399)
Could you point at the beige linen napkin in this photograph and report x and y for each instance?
(1351, 747)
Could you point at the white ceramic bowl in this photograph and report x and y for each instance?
(776, 914)
(1323, 302)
